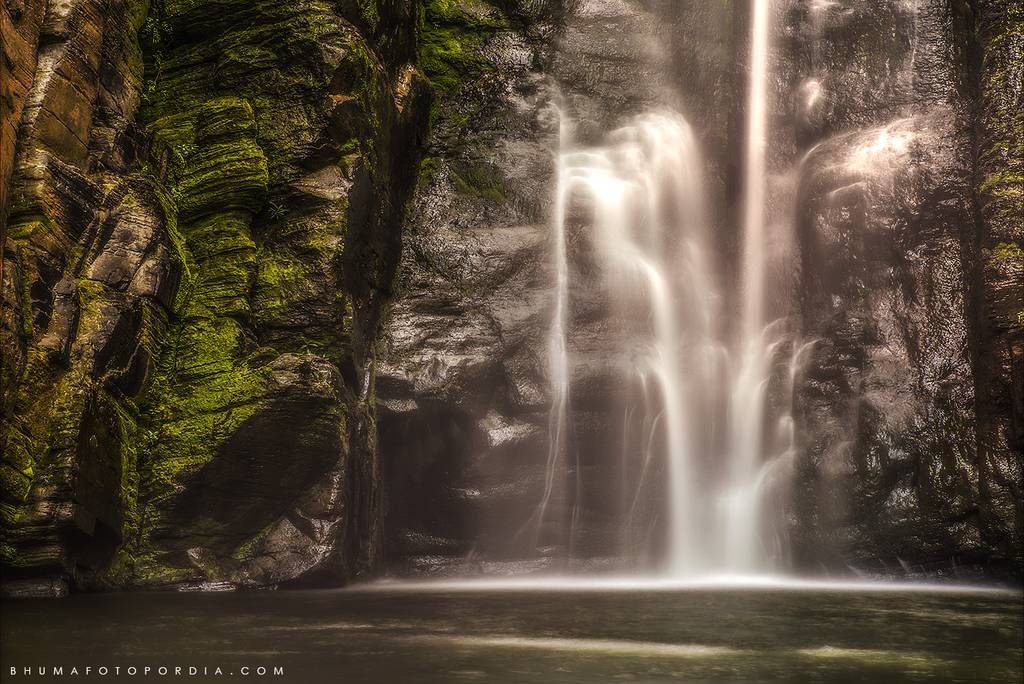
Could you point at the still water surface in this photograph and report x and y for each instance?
(562, 634)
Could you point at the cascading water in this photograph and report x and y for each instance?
(629, 223)
(741, 504)
(642, 194)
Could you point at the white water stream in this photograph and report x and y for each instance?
(635, 204)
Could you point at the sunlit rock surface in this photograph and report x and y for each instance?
(911, 443)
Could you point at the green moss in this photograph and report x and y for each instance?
(479, 180)
(28, 429)
(203, 388)
(14, 481)
(1008, 253)
(246, 549)
(46, 419)
(1002, 185)
(202, 391)
(236, 97)
(10, 557)
(43, 430)
(264, 52)
(452, 40)
(213, 159)
(280, 280)
(207, 379)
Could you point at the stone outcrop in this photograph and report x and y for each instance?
(911, 460)
(203, 229)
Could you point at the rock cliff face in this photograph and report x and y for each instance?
(203, 227)
(276, 276)
(912, 442)
(464, 381)
(893, 155)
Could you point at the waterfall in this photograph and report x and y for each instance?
(558, 355)
(741, 504)
(754, 202)
(641, 194)
(702, 471)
